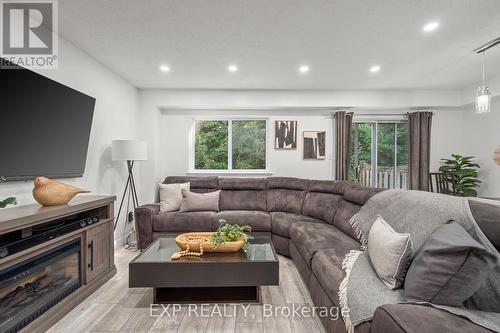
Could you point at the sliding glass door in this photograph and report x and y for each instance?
(379, 154)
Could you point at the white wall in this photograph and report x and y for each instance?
(480, 135)
(166, 117)
(115, 117)
(480, 138)
(174, 140)
(446, 136)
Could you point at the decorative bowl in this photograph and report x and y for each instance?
(193, 239)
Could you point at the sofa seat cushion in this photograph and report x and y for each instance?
(257, 220)
(183, 221)
(280, 222)
(327, 268)
(312, 237)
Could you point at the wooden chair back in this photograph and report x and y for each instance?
(439, 182)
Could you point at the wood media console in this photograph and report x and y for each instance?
(51, 259)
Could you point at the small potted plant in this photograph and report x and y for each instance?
(230, 233)
(9, 201)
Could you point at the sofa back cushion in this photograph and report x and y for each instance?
(487, 215)
(353, 198)
(242, 194)
(322, 199)
(196, 184)
(286, 194)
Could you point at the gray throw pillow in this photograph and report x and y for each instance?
(449, 267)
(171, 196)
(390, 253)
(194, 202)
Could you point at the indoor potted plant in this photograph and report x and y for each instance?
(461, 173)
(230, 233)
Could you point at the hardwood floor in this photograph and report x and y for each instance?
(116, 308)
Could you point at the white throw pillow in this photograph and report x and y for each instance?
(171, 196)
(390, 253)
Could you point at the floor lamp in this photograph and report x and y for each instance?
(129, 151)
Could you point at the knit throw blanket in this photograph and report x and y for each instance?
(419, 214)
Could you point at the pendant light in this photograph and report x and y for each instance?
(483, 97)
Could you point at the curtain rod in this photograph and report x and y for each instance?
(390, 114)
(380, 114)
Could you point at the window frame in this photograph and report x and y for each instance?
(230, 169)
(374, 142)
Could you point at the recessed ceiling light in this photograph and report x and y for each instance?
(232, 68)
(164, 68)
(431, 26)
(304, 69)
(375, 69)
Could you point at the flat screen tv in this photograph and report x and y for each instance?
(44, 126)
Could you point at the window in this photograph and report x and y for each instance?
(379, 154)
(230, 145)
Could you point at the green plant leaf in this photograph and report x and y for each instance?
(230, 233)
(461, 172)
(8, 201)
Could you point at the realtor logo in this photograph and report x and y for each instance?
(29, 33)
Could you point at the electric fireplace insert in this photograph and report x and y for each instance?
(30, 288)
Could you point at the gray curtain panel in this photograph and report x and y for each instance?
(343, 125)
(419, 124)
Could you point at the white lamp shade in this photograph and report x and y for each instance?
(129, 150)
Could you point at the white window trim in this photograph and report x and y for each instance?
(230, 170)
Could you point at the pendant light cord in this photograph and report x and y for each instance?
(484, 61)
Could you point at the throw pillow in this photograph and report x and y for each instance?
(194, 202)
(390, 253)
(449, 267)
(171, 196)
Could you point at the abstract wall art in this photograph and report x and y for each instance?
(314, 145)
(285, 134)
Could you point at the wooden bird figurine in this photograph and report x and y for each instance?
(48, 192)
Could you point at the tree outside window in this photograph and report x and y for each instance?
(230, 145)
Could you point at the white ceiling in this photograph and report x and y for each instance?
(268, 39)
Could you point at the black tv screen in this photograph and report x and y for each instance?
(44, 126)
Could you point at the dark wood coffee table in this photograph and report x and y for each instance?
(211, 278)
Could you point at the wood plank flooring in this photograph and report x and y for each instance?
(116, 308)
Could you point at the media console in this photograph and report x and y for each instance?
(51, 258)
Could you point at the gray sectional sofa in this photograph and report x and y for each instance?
(308, 220)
